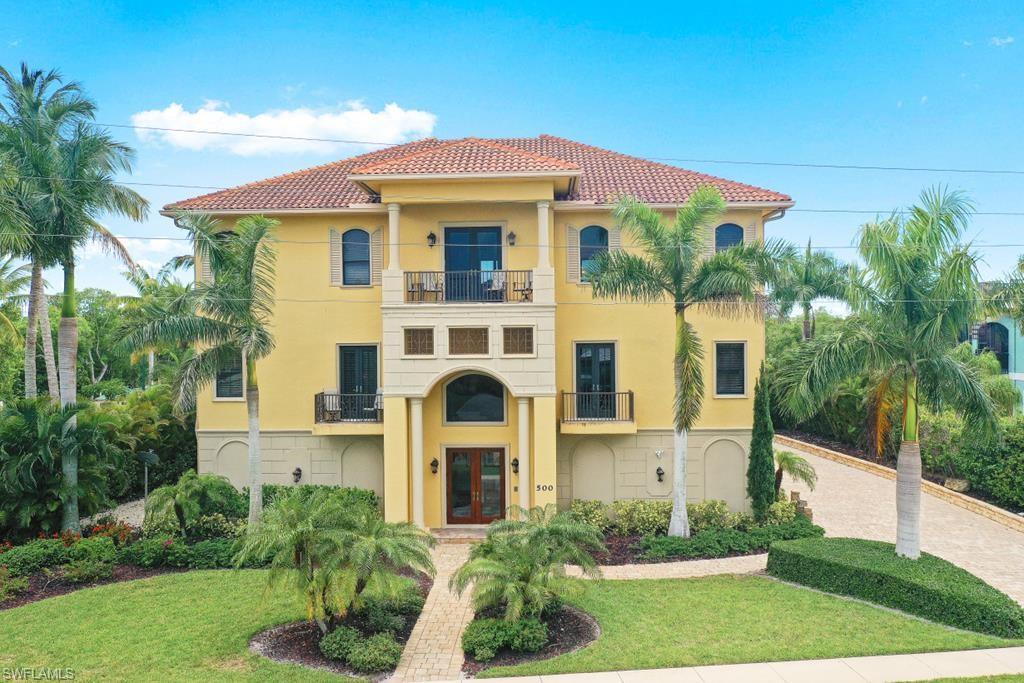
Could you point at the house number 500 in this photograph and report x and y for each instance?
(545, 487)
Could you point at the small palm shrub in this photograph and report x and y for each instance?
(797, 467)
(178, 506)
(520, 566)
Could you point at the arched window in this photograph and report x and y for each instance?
(995, 338)
(727, 235)
(474, 398)
(593, 241)
(355, 257)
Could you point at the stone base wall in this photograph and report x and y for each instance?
(625, 466)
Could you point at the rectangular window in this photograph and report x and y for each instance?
(419, 341)
(517, 341)
(229, 380)
(468, 341)
(730, 368)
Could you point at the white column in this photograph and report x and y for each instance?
(543, 241)
(523, 453)
(394, 236)
(416, 431)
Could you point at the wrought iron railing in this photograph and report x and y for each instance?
(468, 286)
(332, 407)
(597, 406)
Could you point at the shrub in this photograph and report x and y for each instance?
(389, 612)
(159, 551)
(338, 643)
(761, 463)
(379, 619)
(95, 549)
(26, 559)
(215, 525)
(379, 652)
(484, 638)
(11, 585)
(345, 495)
(710, 514)
(180, 505)
(781, 512)
(716, 542)
(592, 512)
(120, 532)
(929, 587)
(641, 517)
(87, 570)
(214, 553)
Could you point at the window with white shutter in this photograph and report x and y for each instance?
(572, 254)
(376, 256)
(727, 235)
(730, 368)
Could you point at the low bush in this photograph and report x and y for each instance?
(592, 512)
(11, 585)
(109, 527)
(651, 517)
(781, 512)
(484, 638)
(339, 643)
(96, 549)
(641, 517)
(379, 652)
(714, 542)
(215, 525)
(87, 570)
(214, 553)
(347, 495)
(928, 587)
(158, 551)
(33, 556)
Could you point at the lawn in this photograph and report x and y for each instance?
(191, 626)
(726, 619)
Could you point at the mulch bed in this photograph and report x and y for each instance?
(41, 586)
(570, 630)
(620, 550)
(299, 642)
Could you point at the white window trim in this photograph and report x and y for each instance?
(232, 399)
(369, 244)
(579, 247)
(444, 402)
(447, 342)
(746, 369)
(420, 356)
(533, 354)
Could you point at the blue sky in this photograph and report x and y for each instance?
(937, 84)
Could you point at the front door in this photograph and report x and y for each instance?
(470, 257)
(476, 485)
(358, 382)
(595, 381)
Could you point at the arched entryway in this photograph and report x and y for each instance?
(995, 338)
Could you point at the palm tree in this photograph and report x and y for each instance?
(181, 503)
(224, 320)
(917, 291)
(804, 278)
(672, 265)
(14, 279)
(797, 467)
(157, 296)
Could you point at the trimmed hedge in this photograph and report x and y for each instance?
(484, 638)
(929, 587)
(348, 494)
(725, 542)
(26, 559)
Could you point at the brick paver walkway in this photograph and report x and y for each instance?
(851, 502)
(434, 652)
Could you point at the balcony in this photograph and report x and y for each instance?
(469, 286)
(598, 412)
(336, 413)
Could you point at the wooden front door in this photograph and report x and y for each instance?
(476, 485)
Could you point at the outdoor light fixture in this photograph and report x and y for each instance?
(431, 239)
(434, 465)
(511, 239)
(515, 465)
(661, 474)
(297, 475)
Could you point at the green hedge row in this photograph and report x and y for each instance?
(715, 542)
(929, 587)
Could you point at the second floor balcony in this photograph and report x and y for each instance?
(330, 407)
(598, 412)
(469, 286)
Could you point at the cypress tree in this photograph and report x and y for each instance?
(761, 465)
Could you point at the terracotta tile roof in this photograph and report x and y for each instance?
(603, 175)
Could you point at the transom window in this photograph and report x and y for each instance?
(593, 241)
(730, 368)
(517, 341)
(228, 383)
(419, 341)
(468, 341)
(355, 257)
(727, 235)
(474, 398)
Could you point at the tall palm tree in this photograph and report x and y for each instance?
(156, 297)
(673, 266)
(14, 280)
(225, 319)
(804, 278)
(917, 290)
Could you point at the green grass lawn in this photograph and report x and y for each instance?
(726, 620)
(192, 626)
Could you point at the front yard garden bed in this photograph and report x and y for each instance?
(42, 585)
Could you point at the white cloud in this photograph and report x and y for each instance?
(351, 121)
(924, 99)
(996, 41)
(967, 43)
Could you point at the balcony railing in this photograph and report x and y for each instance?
(597, 406)
(468, 286)
(332, 407)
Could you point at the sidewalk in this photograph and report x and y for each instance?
(883, 669)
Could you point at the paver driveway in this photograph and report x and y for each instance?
(850, 502)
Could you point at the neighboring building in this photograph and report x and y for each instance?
(437, 340)
(1003, 338)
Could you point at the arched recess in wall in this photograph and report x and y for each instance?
(593, 471)
(362, 465)
(232, 461)
(725, 473)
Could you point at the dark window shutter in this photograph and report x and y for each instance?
(730, 368)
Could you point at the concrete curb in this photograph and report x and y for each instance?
(1007, 519)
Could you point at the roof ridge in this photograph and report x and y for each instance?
(411, 155)
(486, 142)
(493, 142)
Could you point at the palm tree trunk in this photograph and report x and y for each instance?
(151, 360)
(808, 330)
(30, 330)
(67, 346)
(252, 404)
(908, 479)
(43, 320)
(679, 523)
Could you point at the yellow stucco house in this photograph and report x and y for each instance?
(437, 340)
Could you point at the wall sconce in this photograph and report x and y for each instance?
(297, 475)
(434, 464)
(431, 239)
(661, 474)
(515, 465)
(511, 238)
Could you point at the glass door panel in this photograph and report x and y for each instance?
(492, 485)
(460, 487)
(358, 382)
(595, 381)
(470, 256)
